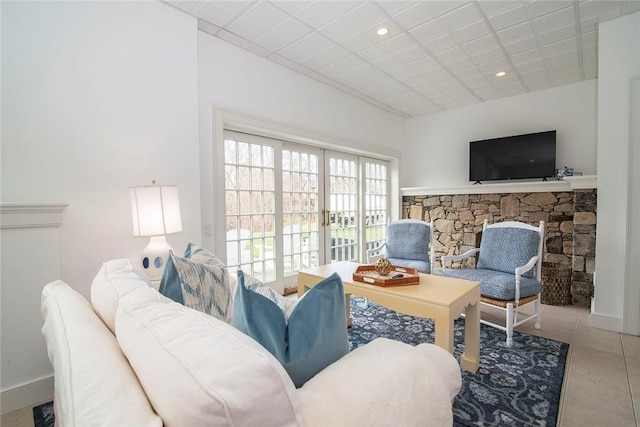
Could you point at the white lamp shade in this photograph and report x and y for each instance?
(156, 210)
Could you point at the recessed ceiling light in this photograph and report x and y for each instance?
(382, 31)
(501, 73)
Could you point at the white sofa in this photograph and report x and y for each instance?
(135, 358)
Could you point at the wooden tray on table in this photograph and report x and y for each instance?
(367, 274)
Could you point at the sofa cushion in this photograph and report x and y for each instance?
(200, 282)
(94, 382)
(496, 284)
(200, 371)
(115, 279)
(506, 248)
(384, 383)
(314, 337)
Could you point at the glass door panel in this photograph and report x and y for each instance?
(342, 195)
(300, 209)
(376, 202)
(250, 200)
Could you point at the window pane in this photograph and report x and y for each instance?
(269, 183)
(243, 153)
(230, 152)
(256, 179)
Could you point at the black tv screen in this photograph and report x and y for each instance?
(513, 157)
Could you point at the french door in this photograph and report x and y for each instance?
(290, 206)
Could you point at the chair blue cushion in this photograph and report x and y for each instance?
(421, 266)
(504, 249)
(199, 281)
(496, 284)
(408, 240)
(314, 337)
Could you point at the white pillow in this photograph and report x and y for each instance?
(94, 383)
(199, 371)
(115, 279)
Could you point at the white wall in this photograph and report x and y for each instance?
(617, 289)
(234, 80)
(96, 97)
(21, 289)
(436, 152)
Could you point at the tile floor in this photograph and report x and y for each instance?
(602, 381)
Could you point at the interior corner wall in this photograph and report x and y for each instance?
(96, 97)
(439, 143)
(617, 289)
(237, 81)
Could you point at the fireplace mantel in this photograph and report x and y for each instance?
(569, 183)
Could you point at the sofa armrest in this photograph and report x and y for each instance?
(94, 383)
(383, 383)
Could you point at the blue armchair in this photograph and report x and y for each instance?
(508, 269)
(409, 244)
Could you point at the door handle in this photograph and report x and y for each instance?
(326, 217)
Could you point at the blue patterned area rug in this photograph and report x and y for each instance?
(43, 415)
(518, 386)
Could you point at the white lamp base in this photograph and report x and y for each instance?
(154, 257)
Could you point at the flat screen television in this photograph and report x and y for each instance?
(513, 157)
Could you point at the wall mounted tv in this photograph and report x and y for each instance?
(513, 157)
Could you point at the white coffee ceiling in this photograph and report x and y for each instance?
(437, 55)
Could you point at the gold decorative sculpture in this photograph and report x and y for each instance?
(383, 266)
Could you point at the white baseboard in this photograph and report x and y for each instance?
(608, 323)
(26, 395)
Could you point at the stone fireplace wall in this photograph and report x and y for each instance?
(569, 217)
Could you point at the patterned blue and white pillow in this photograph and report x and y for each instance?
(203, 286)
(285, 304)
(200, 254)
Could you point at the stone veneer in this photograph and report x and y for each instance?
(569, 216)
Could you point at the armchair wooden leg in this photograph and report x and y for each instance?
(538, 311)
(510, 319)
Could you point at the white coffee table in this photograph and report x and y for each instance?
(436, 297)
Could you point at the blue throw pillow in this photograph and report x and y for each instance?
(504, 249)
(314, 337)
(200, 282)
